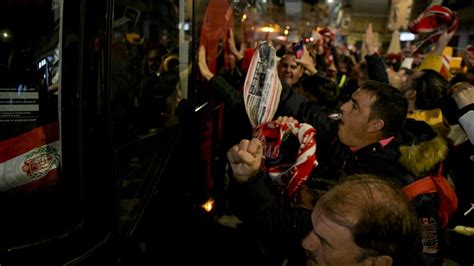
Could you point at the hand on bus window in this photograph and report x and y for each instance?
(203, 68)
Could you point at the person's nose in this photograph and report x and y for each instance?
(310, 243)
(344, 107)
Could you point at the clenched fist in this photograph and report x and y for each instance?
(245, 159)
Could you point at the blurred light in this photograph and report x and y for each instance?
(307, 39)
(244, 17)
(407, 36)
(330, 1)
(267, 29)
(208, 205)
(311, 39)
(5, 35)
(286, 32)
(288, 27)
(41, 63)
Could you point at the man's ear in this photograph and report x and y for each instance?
(376, 125)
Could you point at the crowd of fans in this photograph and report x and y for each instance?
(404, 118)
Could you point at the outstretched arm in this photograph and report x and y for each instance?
(443, 41)
(370, 40)
(434, 59)
(203, 67)
(238, 54)
(260, 203)
(375, 66)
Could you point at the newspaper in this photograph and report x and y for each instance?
(262, 87)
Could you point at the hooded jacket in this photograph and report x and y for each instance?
(422, 152)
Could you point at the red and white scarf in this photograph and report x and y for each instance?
(432, 22)
(289, 178)
(31, 160)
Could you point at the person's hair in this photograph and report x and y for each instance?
(289, 54)
(459, 77)
(390, 106)
(431, 88)
(380, 217)
(347, 60)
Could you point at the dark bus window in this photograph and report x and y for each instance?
(35, 207)
(150, 66)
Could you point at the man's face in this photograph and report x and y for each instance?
(354, 126)
(330, 243)
(153, 61)
(289, 69)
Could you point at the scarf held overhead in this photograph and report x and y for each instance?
(289, 178)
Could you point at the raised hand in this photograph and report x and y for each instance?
(233, 49)
(370, 40)
(203, 67)
(464, 96)
(443, 41)
(307, 62)
(245, 159)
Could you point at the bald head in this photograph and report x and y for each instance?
(379, 216)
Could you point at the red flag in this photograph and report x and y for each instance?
(216, 23)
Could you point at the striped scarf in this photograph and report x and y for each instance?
(431, 23)
(288, 178)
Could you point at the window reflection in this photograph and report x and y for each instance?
(30, 147)
(149, 77)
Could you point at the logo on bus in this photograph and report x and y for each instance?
(40, 161)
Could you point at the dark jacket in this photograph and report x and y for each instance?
(460, 165)
(280, 229)
(376, 68)
(385, 162)
(414, 154)
(422, 152)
